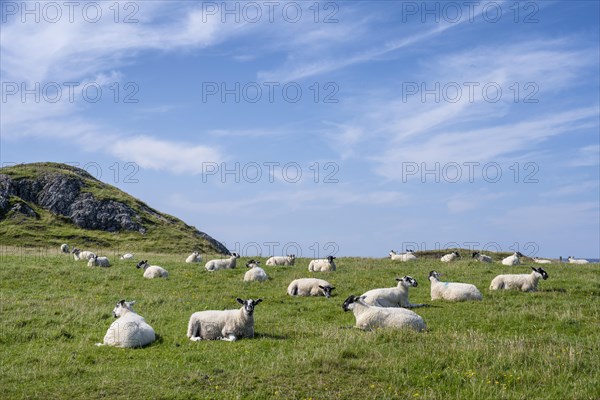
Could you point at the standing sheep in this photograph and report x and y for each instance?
(323, 265)
(64, 248)
(452, 291)
(371, 317)
(310, 287)
(481, 257)
(255, 273)
(408, 256)
(450, 257)
(193, 258)
(522, 282)
(82, 255)
(152, 271)
(129, 330)
(280, 260)
(391, 297)
(512, 260)
(228, 263)
(574, 260)
(96, 261)
(227, 325)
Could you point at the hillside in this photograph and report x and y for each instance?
(46, 204)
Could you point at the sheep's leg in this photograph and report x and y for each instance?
(230, 338)
(100, 344)
(195, 338)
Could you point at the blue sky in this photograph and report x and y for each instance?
(341, 127)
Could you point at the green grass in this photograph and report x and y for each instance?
(512, 345)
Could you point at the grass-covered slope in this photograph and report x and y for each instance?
(511, 345)
(26, 222)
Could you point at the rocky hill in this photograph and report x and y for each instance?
(44, 204)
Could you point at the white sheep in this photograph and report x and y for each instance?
(129, 330)
(450, 257)
(310, 287)
(82, 255)
(64, 248)
(227, 325)
(96, 261)
(255, 273)
(372, 317)
(408, 256)
(574, 260)
(281, 260)
(452, 291)
(228, 263)
(323, 265)
(152, 271)
(194, 257)
(512, 260)
(522, 282)
(391, 297)
(126, 256)
(481, 257)
(541, 261)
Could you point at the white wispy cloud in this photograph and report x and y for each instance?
(587, 156)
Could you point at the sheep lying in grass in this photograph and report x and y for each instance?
(227, 325)
(371, 317)
(452, 291)
(280, 260)
(64, 248)
(450, 257)
(481, 257)
(513, 260)
(96, 261)
(541, 261)
(255, 273)
(574, 260)
(152, 271)
(391, 297)
(82, 255)
(324, 265)
(228, 263)
(522, 282)
(126, 256)
(129, 330)
(408, 256)
(310, 287)
(193, 258)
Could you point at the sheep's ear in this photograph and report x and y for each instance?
(399, 279)
(533, 268)
(132, 302)
(121, 302)
(239, 300)
(333, 287)
(257, 301)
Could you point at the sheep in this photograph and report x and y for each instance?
(481, 257)
(512, 260)
(194, 257)
(226, 325)
(228, 263)
(408, 256)
(522, 282)
(541, 260)
(391, 297)
(126, 256)
(129, 330)
(96, 261)
(450, 257)
(280, 260)
(64, 248)
(82, 255)
(452, 291)
(152, 271)
(371, 317)
(310, 287)
(574, 260)
(255, 273)
(323, 265)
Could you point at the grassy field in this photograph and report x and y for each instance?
(543, 345)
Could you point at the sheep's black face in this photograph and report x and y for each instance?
(411, 281)
(519, 254)
(475, 255)
(544, 273)
(330, 258)
(435, 274)
(327, 290)
(347, 305)
(248, 305)
(140, 264)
